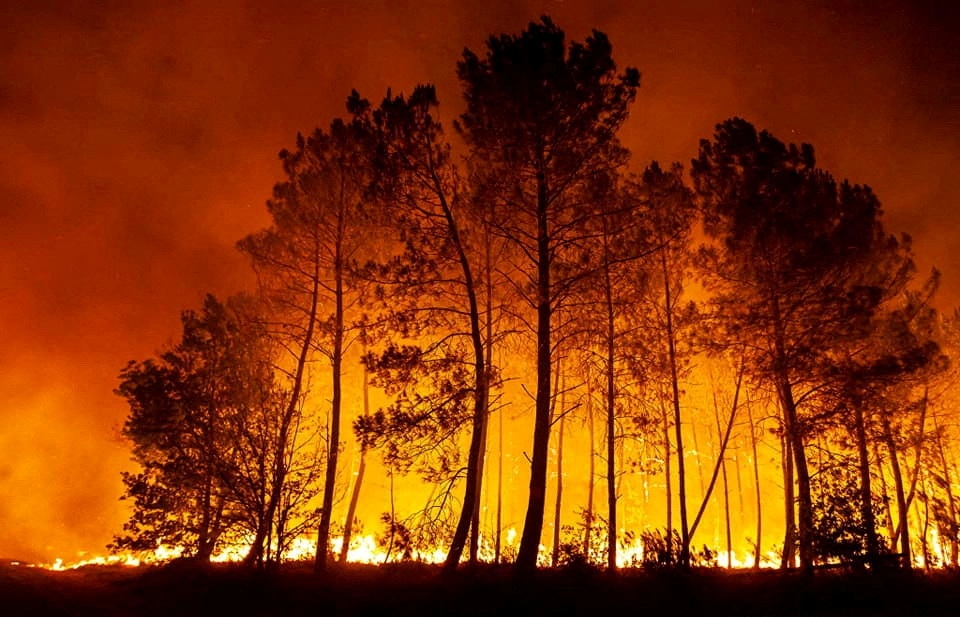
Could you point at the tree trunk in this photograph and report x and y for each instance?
(611, 408)
(497, 545)
(884, 493)
(477, 437)
(533, 523)
(336, 359)
(756, 484)
(918, 453)
(926, 530)
(804, 502)
(948, 487)
(478, 493)
(255, 555)
(722, 452)
(903, 527)
(668, 489)
(559, 500)
(393, 518)
(954, 548)
(678, 428)
(866, 493)
(481, 394)
(488, 350)
(726, 487)
(352, 508)
(355, 495)
(726, 514)
(794, 434)
(591, 473)
(204, 545)
(790, 526)
(742, 508)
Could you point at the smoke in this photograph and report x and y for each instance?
(139, 143)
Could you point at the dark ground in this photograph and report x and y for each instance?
(422, 591)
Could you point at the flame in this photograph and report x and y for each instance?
(123, 560)
(363, 549)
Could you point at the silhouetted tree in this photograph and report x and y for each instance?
(940, 469)
(613, 316)
(791, 249)
(541, 122)
(620, 241)
(885, 380)
(302, 261)
(662, 318)
(202, 473)
(431, 288)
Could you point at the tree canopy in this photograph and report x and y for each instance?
(517, 273)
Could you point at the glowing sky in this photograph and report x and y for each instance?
(139, 142)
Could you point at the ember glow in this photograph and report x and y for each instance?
(141, 145)
(365, 550)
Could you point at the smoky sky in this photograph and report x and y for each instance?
(139, 142)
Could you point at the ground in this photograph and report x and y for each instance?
(416, 590)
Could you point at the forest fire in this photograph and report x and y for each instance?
(495, 322)
(367, 550)
(363, 549)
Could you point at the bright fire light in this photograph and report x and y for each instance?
(366, 550)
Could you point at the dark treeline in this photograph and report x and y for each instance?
(539, 264)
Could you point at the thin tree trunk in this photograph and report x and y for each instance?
(393, 518)
(804, 502)
(678, 427)
(726, 488)
(885, 495)
(668, 489)
(497, 545)
(355, 495)
(911, 492)
(481, 393)
(903, 527)
(473, 463)
(795, 436)
(533, 523)
(352, 509)
(756, 484)
(559, 500)
(926, 530)
(336, 359)
(948, 488)
(488, 351)
(953, 522)
(918, 452)
(204, 544)
(475, 523)
(741, 512)
(790, 525)
(726, 514)
(720, 455)
(591, 472)
(611, 412)
(866, 492)
(255, 555)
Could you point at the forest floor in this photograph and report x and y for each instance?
(403, 590)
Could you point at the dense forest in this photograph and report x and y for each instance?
(736, 343)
